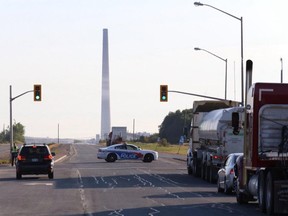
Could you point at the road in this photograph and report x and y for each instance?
(85, 185)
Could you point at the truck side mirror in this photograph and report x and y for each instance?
(235, 123)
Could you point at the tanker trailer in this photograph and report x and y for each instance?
(195, 152)
(218, 139)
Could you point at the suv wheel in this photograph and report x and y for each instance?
(18, 175)
(51, 175)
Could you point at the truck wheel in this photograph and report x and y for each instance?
(208, 172)
(262, 191)
(269, 194)
(190, 171)
(196, 170)
(240, 197)
(212, 175)
(203, 171)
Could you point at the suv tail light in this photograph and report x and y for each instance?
(48, 157)
(21, 158)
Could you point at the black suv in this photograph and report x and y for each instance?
(35, 159)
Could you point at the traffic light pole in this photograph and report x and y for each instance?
(11, 125)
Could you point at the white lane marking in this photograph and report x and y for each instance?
(38, 183)
(61, 158)
(82, 195)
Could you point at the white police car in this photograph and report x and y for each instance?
(125, 151)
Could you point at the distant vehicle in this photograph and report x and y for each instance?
(35, 159)
(117, 135)
(226, 174)
(125, 151)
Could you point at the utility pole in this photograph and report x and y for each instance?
(58, 133)
(133, 129)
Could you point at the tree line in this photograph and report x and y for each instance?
(174, 125)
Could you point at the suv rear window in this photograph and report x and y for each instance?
(31, 150)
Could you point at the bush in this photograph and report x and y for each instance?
(163, 142)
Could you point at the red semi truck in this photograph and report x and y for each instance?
(263, 170)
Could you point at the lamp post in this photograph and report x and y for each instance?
(225, 60)
(241, 20)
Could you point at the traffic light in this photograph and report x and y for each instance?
(37, 93)
(163, 93)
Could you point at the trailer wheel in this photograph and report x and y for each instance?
(262, 191)
(196, 169)
(207, 176)
(210, 175)
(203, 171)
(189, 169)
(269, 194)
(213, 175)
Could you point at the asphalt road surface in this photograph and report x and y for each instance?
(85, 185)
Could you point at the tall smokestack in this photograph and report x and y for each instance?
(105, 105)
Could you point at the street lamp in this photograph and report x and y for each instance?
(242, 68)
(225, 60)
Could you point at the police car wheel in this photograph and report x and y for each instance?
(148, 158)
(111, 157)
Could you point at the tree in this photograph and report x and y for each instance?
(18, 133)
(175, 124)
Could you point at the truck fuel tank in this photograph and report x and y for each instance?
(253, 185)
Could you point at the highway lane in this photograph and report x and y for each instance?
(85, 185)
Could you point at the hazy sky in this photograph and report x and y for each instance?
(58, 43)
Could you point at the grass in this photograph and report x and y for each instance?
(172, 149)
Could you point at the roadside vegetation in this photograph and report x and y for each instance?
(175, 125)
(171, 149)
(18, 134)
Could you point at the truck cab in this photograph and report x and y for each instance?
(264, 169)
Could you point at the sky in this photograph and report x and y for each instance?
(58, 44)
